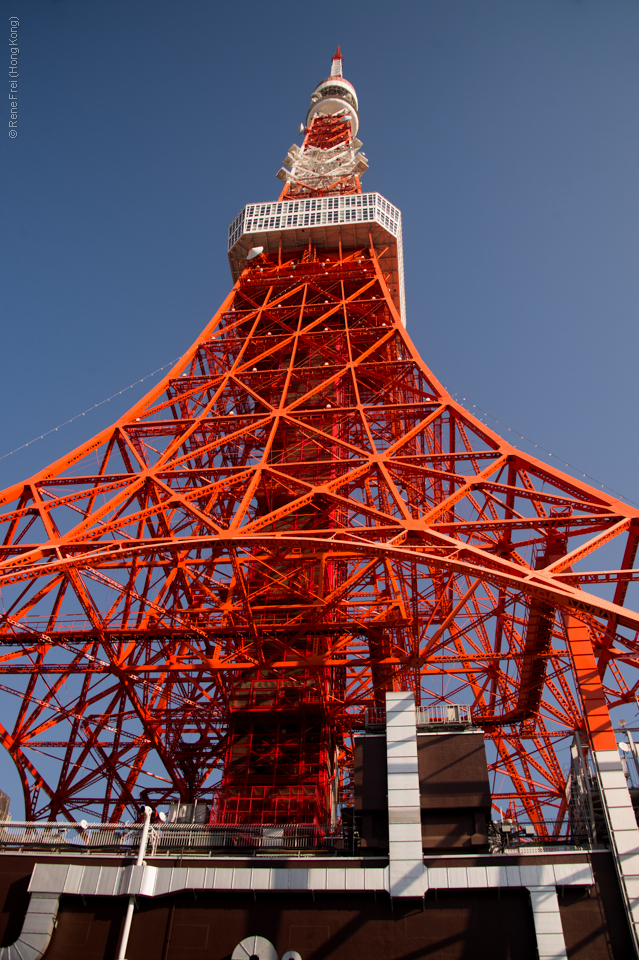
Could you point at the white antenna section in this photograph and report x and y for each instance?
(317, 168)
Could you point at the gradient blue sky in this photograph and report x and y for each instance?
(505, 130)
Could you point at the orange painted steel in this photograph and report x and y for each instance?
(202, 600)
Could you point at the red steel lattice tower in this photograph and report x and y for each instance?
(203, 599)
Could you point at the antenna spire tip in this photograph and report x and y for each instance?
(338, 62)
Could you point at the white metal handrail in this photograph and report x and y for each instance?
(124, 838)
(438, 714)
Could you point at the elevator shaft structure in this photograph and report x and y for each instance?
(203, 601)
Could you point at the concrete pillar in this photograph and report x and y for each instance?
(406, 859)
(624, 833)
(622, 823)
(548, 930)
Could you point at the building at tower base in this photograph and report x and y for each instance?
(420, 874)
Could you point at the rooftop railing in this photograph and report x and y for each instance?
(166, 839)
(195, 839)
(513, 836)
(439, 715)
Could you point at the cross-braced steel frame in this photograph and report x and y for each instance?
(297, 519)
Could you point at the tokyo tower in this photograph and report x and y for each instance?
(205, 600)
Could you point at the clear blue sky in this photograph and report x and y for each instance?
(506, 131)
